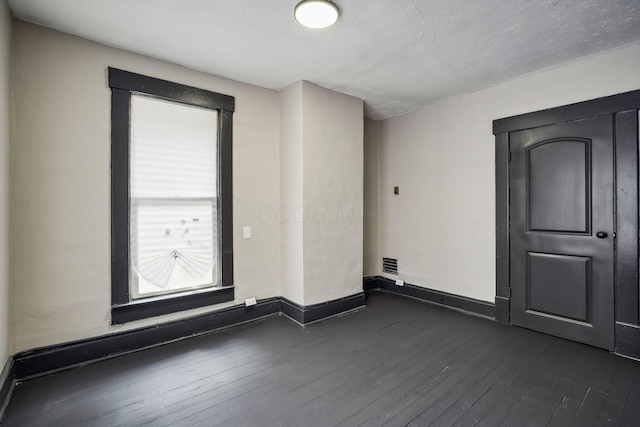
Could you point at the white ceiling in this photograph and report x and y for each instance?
(394, 54)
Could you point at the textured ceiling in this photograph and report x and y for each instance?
(394, 54)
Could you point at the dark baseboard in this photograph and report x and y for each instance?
(471, 305)
(370, 284)
(45, 360)
(628, 340)
(313, 313)
(7, 381)
(503, 310)
(42, 361)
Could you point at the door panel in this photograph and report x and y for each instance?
(563, 276)
(561, 183)
(559, 186)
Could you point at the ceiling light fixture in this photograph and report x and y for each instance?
(316, 13)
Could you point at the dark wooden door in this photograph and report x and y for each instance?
(562, 231)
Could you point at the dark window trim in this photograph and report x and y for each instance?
(132, 82)
(123, 84)
(166, 304)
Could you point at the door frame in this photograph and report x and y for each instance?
(624, 108)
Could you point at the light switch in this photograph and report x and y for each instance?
(396, 190)
(246, 232)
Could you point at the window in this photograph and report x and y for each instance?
(171, 208)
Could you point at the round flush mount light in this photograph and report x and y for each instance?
(316, 13)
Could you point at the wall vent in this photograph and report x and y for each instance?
(390, 265)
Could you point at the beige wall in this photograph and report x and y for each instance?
(5, 177)
(332, 193)
(321, 187)
(289, 213)
(441, 227)
(371, 258)
(62, 182)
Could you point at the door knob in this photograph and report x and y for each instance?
(601, 234)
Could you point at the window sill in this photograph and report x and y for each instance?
(166, 304)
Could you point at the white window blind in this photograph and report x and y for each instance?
(173, 188)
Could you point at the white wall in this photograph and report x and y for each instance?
(441, 226)
(62, 184)
(371, 258)
(5, 177)
(289, 213)
(321, 188)
(332, 193)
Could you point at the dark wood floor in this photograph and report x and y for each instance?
(398, 362)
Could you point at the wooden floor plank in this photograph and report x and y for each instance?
(575, 385)
(332, 356)
(421, 410)
(631, 412)
(471, 386)
(539, 403)
(397, 362)
(467, 398)
(613, 406)
(502, 392)
(397, 351)
(398, 359)
(382, 384)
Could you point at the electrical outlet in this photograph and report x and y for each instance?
(400, 282)
(250, 301)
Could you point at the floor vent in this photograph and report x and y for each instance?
(390, 265)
